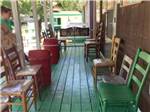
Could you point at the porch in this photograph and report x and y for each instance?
(72, 88)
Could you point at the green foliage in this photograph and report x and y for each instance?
(40, 10)
(5, 3)
(25, 7)
(68, 5)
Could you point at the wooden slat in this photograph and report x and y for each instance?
(140, 69)
(125, 68)
(136, 80)
(145, 56)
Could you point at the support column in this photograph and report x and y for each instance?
(17, 24)
(92, 18)
(87, 14)
(114, 18)
(36, 24)
(45, 13)
(101, 9)
(51, 13)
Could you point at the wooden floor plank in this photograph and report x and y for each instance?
(56, 73)
(76, 106)
(56, 102)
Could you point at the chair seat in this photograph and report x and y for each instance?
(90, 39)
(113, 79)
(91, 42)
(115, 94)
(103, 63)
(15, 87)
(29, 70)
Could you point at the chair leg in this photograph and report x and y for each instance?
(24, 103)
(36, 87)
(97, 52)
(94, 77)
(65, 45)
(9, 106)
(87, 53)
(34, 96)
(84, 51)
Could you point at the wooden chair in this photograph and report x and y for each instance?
(98, 30)
(99, 64)
(121, 98)
(123, 74)
(17, 89)
(22, 89)
(92, 46)
(44, 34)
(3, 108)
(19, 72)
(50, 33)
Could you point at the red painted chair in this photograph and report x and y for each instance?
(42, 57)
(52, 45)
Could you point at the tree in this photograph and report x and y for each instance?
(70, 5)
(25, 8)
(6, 3)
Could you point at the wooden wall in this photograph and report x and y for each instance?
(133, 27)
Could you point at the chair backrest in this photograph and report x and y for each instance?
(114, 51)
(44, 34)
(51, 30)
(11, 61)
(125, 67)
(48, 32)
(139, 72)
(99, 31)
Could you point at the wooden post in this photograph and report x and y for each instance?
(101, 9)
(114, 18)
(45, 13)
(94, 19)
(51, 13)
(87, 14)
(17, 24)
(36, 24)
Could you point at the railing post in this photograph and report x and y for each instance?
(114, 18)
(37, 34)
(45, 13)
(51, 13)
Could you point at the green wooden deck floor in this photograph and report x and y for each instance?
(72, 88)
